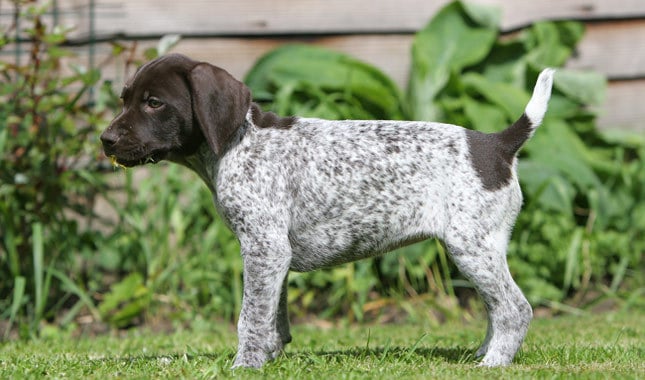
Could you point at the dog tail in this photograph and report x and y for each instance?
(522, 130)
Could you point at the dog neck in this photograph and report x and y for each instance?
(205, 161)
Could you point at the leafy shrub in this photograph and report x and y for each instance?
(583, 219)
(47, 138)
(188, 259)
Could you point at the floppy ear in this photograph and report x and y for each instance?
(220, 104)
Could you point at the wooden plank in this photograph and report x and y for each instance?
(623, 108)
(517, 14)
(258, 17)
(616, 49)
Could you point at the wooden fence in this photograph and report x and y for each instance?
(234, 33)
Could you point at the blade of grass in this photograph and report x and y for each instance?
(571, 266)
(12, 253)
(445, 269)
(18, 294)
(70, 286)
(415, 346)
(3, 138)
(565, 308)
(38, 272)
(619, 275)
(72, 313)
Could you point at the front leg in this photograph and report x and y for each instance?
(261, 324)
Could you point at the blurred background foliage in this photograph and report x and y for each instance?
(81, 245)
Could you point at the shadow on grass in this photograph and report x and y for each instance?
(459, 355)
(456, 355)
(168, 358)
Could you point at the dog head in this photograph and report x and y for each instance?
(170, 106)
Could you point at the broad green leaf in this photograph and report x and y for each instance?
(543, 44)
(562, 107)
(544, 185)
(314, 73)
(585, 87)
(550, 44)
(555, 145)
(511, 99)
(612, 136)
(484, 117)
(484, 15)
(451, 41)
(506, 63)
(571, 32)
(548, 55)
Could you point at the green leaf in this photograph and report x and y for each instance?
(455, 38)
(125, 300)
(39, 268)
(555, 145)
(3, 139)
(585, 87)
(70, 286)
(150, 53)
(550, 44)
(318, 77)
(484, 15)
(506, 63)
(16, 301)
(572, 265)
(544, 185)
(484, 117)
(562, 107)
(511, 99)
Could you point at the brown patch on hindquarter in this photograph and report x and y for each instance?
(492, 155)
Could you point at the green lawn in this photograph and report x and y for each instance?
(596, 346)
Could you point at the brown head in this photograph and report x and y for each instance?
(170, 106)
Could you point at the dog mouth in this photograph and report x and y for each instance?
(128, 162)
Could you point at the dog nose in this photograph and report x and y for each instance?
(108, 138)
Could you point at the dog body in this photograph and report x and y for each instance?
(302, 194)
(338, 198)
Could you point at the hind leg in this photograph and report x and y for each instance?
(282, 322)
(483, 261)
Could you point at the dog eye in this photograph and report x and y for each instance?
(154, 102)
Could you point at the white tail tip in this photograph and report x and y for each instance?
(536, 108)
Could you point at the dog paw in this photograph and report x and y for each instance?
(492, 359)
(250, 359)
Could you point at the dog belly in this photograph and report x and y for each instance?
(331, 242)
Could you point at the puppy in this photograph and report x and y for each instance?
(302, 194)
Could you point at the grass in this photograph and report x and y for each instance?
(591, 346)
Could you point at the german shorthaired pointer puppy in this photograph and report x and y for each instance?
(302, 194)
